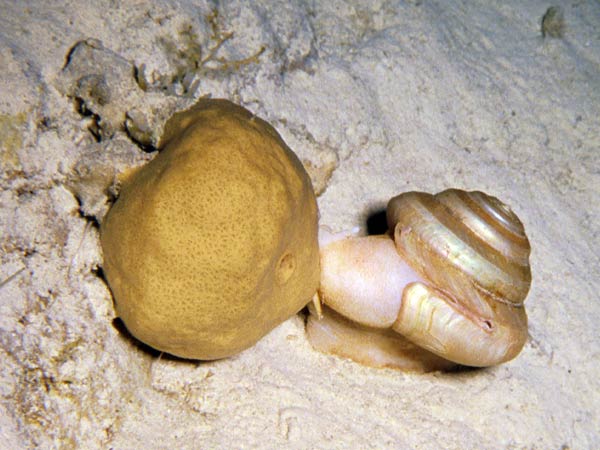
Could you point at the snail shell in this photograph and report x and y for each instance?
(455, 285)
(473, 254)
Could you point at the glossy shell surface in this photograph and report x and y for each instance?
(473, 254)
(467, 236)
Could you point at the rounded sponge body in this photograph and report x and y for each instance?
(214, 242)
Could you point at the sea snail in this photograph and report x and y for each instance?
(214, 242)
(444, 286)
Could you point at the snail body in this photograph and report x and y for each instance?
(450, 277)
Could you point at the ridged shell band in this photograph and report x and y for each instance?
(468, 244)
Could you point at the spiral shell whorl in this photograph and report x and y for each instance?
(473, 254)
(468, 244)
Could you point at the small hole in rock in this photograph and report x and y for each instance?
(377, 222)
(286, 267)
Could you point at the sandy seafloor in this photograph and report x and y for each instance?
(376, 98)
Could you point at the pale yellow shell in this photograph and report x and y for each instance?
(473, 254)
